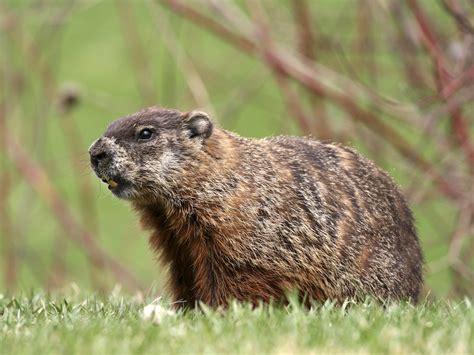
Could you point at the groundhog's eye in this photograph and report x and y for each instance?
(145, 134)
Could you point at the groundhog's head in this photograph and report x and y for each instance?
(143, 155)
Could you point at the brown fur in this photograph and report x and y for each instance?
(251, 220)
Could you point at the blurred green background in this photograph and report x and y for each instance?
(71, 67)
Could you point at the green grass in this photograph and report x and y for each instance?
(81, 323)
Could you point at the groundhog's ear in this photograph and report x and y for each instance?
(198, 124)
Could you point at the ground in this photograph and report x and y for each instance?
(83, 323)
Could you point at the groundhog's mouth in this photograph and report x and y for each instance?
(111, 182)
(119, 186)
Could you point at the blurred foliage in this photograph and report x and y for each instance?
(68, 68)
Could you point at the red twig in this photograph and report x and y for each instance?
(307, 42)
(137, 52)
(454, 85)
(462, 21)
(293, 104)
(209, 23)
(404, 43)
(458, 121)
(308, 48)
(289, 95)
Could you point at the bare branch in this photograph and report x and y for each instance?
(458, 121)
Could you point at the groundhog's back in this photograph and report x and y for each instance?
(319, 217)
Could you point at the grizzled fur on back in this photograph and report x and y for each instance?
(248, 219)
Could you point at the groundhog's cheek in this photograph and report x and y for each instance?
(127, 170)
(158, 169)
(166, 164)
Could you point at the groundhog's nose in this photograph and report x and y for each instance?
(97, 153)
(96, 158)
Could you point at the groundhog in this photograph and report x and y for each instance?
(255, 219)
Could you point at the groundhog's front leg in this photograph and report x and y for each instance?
(181, 285)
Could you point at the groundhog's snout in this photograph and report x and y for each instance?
(100, 155)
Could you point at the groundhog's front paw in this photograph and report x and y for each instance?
(156, 312)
